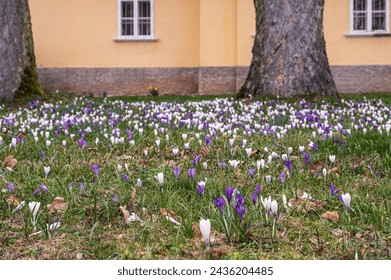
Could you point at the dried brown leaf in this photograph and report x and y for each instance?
(304, 205)
(10, 161)
(125, 213)
(253, 153)
(317, 167)
(333, 170)
(12, 200)
(331, 216)
(168, 213)
(58, 205)
(132, 200)
(314, 240)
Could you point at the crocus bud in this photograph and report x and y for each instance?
(205, 231)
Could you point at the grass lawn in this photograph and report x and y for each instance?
(130, 178)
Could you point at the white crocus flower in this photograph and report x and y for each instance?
(145, 152)
(284, 157)
(332, 158)
(205, 227)
(175, 151)
(248, 151)
(187, 146)
(48, 142)
(268, 179)
(301, 149)
(290, 150)
(139, 183)
(324, 171)
(134, 218)
(205, 165)
(274, 208)
(34, 208)
(64, 143)
(46, 170)
(184, 136)
(346, 200)
(158, 144)
(234, 163)
(160, 178)
(119, 167)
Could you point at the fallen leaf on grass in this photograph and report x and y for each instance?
(125, 213)
(331, 216)
(58, 205)
(12, 200)
(304, 205)
(317, 167)
(10, 161)
(333, 170)
(132, 200)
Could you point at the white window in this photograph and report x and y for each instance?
(135, 19)
(369, 16)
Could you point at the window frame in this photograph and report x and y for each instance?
(136, 36)
(369, 14)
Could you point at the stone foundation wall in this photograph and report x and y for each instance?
(362, 79)
(120, 81)
(203, 80)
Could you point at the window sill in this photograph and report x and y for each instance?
(368, 35)
(135, 40)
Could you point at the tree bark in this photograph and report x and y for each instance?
(18, 72)
(289, 52)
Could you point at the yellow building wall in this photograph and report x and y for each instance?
(81, 33)
(218, 32)
(345, 50)
(245, 31)
(189, 33)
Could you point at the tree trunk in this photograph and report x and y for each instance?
(289, 52)
(18, 72)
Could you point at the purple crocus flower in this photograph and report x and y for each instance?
(282, 177)
(82, 143)
(126, 177)
(208, 140)
(70, 186)
(42, 154)
(252, 172)
(219, 203)
(254, 197)
(81, 186)
(240, 210)
(115, 198)
(307, 159)
(258, 189)
(36, 192)
(314, 146)
(95, 167)
(192, 172)
(11, 187)
(333, 191)
(223, 165)
(200, 189)
(44, 188)
(288, 165)
(176, 171)
(228, 193)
